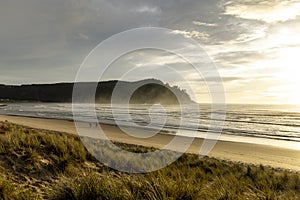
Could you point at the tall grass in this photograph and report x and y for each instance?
(49, 165)
(9, 190)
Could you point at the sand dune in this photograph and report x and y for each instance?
(235, 151)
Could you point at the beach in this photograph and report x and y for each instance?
(234, 151)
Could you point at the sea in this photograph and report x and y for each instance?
(275, 125)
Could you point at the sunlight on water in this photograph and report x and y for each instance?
(277, 125)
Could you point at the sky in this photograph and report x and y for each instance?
(255, 44)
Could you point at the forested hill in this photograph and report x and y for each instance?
(148, 91)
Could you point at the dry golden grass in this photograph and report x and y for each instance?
(39, 164)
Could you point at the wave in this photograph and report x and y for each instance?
(239, 122)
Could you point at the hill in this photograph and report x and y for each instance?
(148, 91)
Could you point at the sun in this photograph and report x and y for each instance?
(289, 63)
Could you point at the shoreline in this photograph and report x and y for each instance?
(276, 157)
(268, 141)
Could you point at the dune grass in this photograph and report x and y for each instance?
(40, 164)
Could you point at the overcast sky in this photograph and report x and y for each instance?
(255, 44)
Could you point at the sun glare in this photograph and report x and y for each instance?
(288, 61)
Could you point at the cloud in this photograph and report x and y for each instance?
(263, 10)
(38, 36)
(83, 36)
(45, 41)
(216, 79)
(192, 34)
(147, 9)
(242, 57)
(198, 23)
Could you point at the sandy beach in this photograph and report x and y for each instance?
(234, 151)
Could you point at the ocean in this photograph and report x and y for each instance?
(277, 125)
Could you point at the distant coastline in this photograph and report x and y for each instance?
(149, 91)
